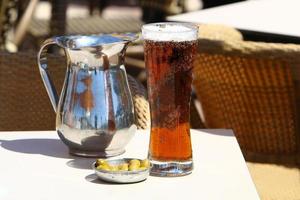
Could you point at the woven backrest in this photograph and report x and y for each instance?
(24, 103)
(218, 32)
(141, 105)
(252, 88)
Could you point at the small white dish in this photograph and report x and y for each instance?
(121, 176)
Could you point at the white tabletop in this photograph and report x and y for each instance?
(268, 16)
(36, 166)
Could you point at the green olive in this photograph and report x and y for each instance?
(145, 163)
(104, 167)
(135, 162)
(142, 168)
(123, 166)
(114, 168)
(133, 167)
(101, 162)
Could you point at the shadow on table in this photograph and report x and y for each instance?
(220, 132)
(47, 147)
(81, 163)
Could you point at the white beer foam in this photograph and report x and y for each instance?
(169, 32)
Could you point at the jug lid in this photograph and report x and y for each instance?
(84, 41)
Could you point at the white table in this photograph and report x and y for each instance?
(36, 166)
(279, 17)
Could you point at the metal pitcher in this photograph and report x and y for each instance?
(95, 113)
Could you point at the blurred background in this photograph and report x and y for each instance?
(25, 23)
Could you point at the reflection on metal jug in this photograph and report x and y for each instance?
(94, 114)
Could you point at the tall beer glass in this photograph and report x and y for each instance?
(169, 55)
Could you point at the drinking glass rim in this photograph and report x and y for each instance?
(192, 27)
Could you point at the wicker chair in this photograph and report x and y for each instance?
(24, 104)
(253, 88)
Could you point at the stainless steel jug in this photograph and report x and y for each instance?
(94, 114)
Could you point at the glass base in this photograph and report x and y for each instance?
(95, 154)
(171, 168)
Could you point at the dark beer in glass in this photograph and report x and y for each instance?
(169, 55)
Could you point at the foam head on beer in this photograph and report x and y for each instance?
(170, 32)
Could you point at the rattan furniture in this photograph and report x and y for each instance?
(24, 104)
(88, 25)
(253, 88)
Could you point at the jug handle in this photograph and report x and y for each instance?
(43, 67)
